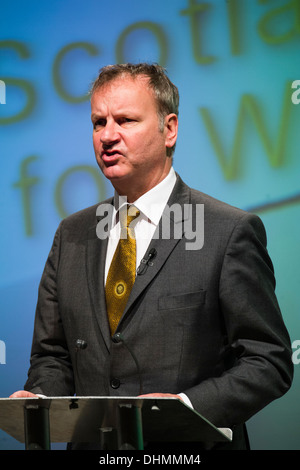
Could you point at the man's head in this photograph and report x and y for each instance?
(135, 126)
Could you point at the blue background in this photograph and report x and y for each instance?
(58, 134)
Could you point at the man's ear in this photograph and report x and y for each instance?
(171, 130)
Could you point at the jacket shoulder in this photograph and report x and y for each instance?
(82, 220)
(213, 206)
(217, 206)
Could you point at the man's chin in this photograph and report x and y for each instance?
(114, 173)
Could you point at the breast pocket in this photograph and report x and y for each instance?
(183, 302)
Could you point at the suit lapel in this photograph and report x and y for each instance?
(95, 265)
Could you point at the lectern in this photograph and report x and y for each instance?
(116, 423)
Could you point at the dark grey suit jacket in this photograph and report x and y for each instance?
(204, 322)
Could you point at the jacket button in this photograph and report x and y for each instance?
(115, 383)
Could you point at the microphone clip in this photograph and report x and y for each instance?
(147, 262)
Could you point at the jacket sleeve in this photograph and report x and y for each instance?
(50, 371)
(262, 369)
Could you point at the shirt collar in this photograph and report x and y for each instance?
(152, 203)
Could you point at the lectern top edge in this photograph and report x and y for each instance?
(76, 417)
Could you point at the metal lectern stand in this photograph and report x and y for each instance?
(116, 423)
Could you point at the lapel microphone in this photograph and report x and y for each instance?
(147, 262)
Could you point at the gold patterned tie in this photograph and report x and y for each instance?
(121, 274)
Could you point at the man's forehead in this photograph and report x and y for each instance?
(113, 93)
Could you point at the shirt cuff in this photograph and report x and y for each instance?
(186, 400)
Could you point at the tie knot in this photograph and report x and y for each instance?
(127, 215)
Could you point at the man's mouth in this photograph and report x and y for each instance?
(110, 156)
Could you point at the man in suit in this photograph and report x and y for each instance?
(202, 321)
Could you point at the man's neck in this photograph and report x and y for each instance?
(132, 192)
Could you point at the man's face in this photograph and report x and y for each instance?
(129, 145)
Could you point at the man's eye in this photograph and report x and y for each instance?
(125, 120)
(99, 123)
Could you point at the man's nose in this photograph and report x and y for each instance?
(109, 134)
